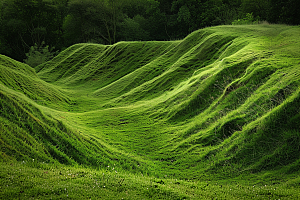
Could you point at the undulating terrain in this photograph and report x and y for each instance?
(215, 115)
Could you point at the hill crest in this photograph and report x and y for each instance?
(224, 100)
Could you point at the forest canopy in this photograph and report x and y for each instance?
(47, 24)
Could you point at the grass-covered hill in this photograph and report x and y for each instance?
(216, 114)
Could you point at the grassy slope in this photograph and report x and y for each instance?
(222, 104)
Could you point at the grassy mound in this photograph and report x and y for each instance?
(221, 104)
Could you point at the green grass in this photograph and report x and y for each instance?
(215, 115)
(31, 180)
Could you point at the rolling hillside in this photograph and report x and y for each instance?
(221, 104)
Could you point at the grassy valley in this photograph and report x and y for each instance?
(215, 115)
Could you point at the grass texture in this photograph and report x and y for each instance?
(215, 115)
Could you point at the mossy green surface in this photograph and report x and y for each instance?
(218, 107)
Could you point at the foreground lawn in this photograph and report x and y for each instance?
(31, 180)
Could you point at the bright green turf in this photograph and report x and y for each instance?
(193, 118)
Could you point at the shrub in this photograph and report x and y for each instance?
(39, 54)
(249, 19)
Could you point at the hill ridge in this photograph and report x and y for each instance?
(212, 103)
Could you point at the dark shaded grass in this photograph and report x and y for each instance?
(221, 104)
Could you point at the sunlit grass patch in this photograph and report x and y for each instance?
(213, 115)
(31, 180)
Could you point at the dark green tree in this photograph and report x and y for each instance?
(93, 21)
(25, 23)
(258, 8)
(196, 14)
(132, 29)
(284, 11)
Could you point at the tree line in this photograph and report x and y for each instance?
(40, 25)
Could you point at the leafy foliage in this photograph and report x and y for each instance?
(39, 54)
(247, 20)
(24, 23)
